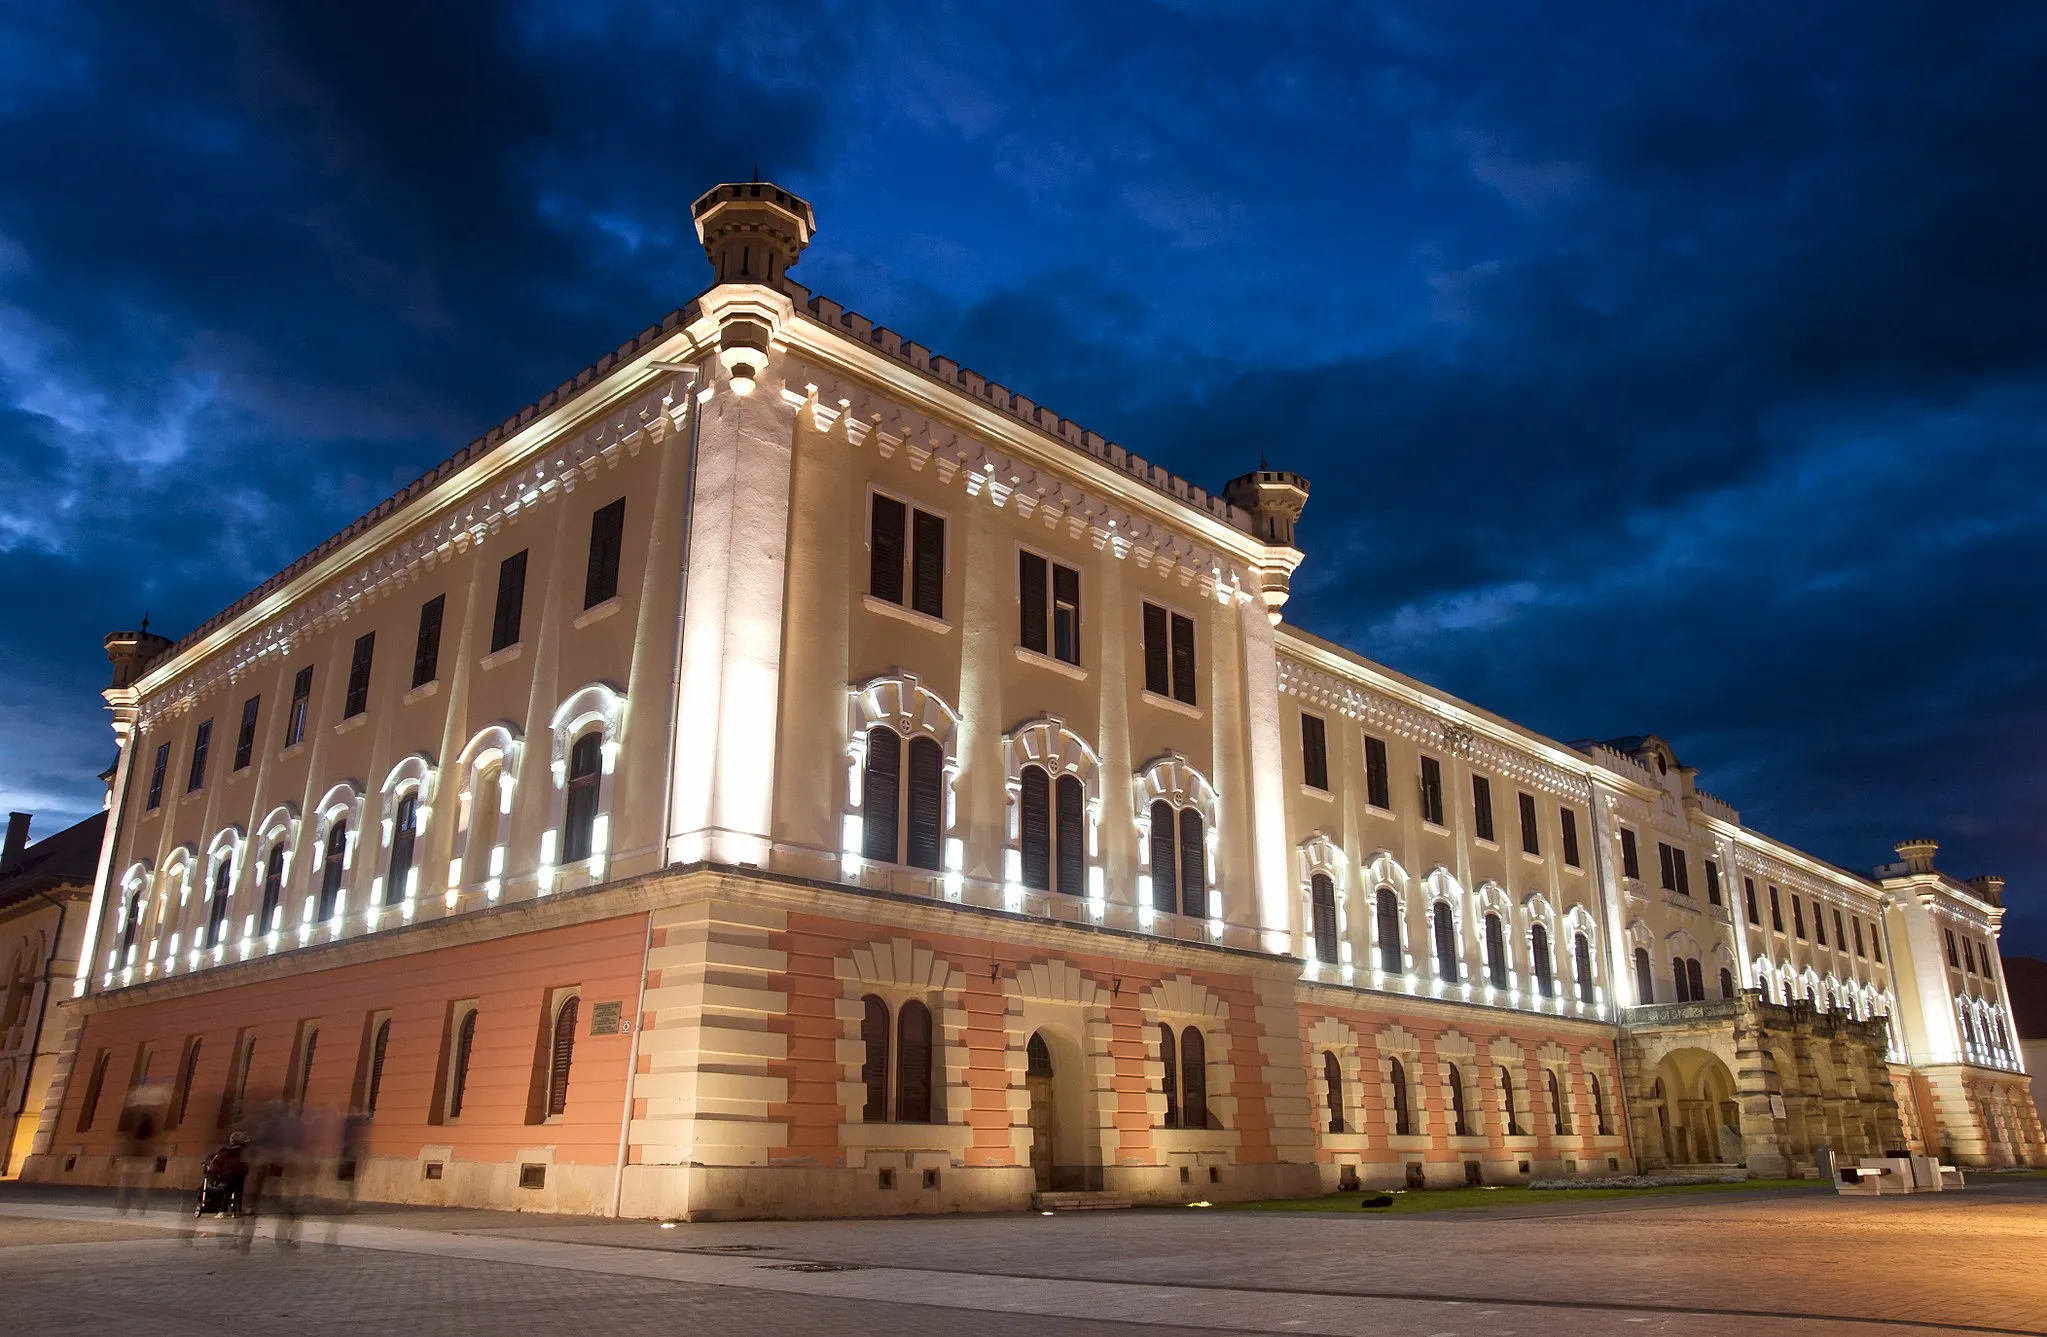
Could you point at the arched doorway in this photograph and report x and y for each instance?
(1063, 1159)
(1044, 1108)
(1698, 1115)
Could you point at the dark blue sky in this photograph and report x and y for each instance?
(1669, 368)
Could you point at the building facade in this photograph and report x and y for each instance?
(45, 895)
(784, 772)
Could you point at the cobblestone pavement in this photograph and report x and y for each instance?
(1803, 1264)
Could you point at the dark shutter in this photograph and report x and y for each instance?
(1072, 838)
(404, 831)
(1559, 1121)
(1570, 824)
(1581, 948)
(1459, 1119)
(245, 741)
(579, 823)
(1696, 972)
(1315, 752)
(1496, 951)
(927, 562)
(1645, 979)
(880, 791)
(1531, 833)
(1482, 807)
(202, 742)
(185, 1084)
(874, 1063)
(331, 871)
(927, 803)
(1322, 896)
(1030, 585)
(560, 1055)
(913, 1063)
(1631, 857)
(358, 698)
(1665, 865)
(458, 1079)
(163, 761)
(1713, 883)
(1169, 1057)
(426, 651)
(1378, 789)
(216, 910)
(1432, 790)
(1726, 983)
(1514, 1128)
(1683, 990)
(312, 1045)
(1538, 948)
(1403, 1119)
(1193, 865)
(1332, 1082)
(885, 549)
(1034, 826)
(273, 887)
(504, 623)
(1193, 1079)
(1446, 944)
(607, 541)
(377, 1047)
(1183, 660)
(1165, 879)
(1158, 677)
(1390, 959)
(301, 702)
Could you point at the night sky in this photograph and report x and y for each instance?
(1658, 368)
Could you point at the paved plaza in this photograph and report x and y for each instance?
(1796, 1262)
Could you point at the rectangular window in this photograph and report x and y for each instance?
(1748, 895)
(504, 622)
(1314, 752)
(887, 521)
(1712, 882)
(1631, 857)
(1819, 923)
(1876, 942)
(1378, 784)
(1432, 791)
(1953, 959)
(1048, 599)
(245, 738)
(201, 743)
(1797, 917)
(927, 564)
(1570, 825)
(1667, 867)
(1682, 863)
(1531, 833)
(1858, 937)
(1169, 654)
(1482, 807)
(607, 541)
(162, 764)
(358, 698)
(1776, 912)
(426, 652)
(301, 702)
(1183, 660)
(1065, 614)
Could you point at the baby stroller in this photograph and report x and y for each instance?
(225, 1174)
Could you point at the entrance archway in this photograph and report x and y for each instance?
(1062, 1158)
(1699, 1116)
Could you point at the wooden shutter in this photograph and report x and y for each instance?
(1193, 865)
(1193, 1079)
(1322, 896)
(1066, 613)
(885, 550)
(927, 803)
(880, 793)
(1332, 1081)
(1538, 948)
(1446, 944)
(1390, 957)
(310, 1047)
(1378, 789)
(1030, 586)
(1682, 991)
(560, 1054)
(913, 1063)
(1034, 826)
(1582, 954)
(1556, 1105)
(1507, 1103)
(1631, 857)
(607, 537)
(1072, 838)
(874, 1065)
(1665, 867)
(1696, 972)
(1454, 1080)
(376, 1084)
(927, 561)
(1432, 790)
(185, 1083)
(273, 886)
(1403, 1119)
(1165, 878)
(1169, 1057)
(1158, 678)
(579, 824)
(1645, 980)
(1496, 951)
(458, 1081)
(1315, 752)
(1482, 807)
(1570, 823)
(1726, 983)
(1183, 660)
(504, 626)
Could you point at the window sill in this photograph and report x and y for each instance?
(902, 614)
(423, 691)
(1060, 666)
(240, 773)
(1574, 868)
(352, 723)
(1310, 791)
(292, 751)
(191, 794)
(596, 612)
(1485, 841)
(1374, 810)
(1174, 704)
(1436, 827)
(504, 656)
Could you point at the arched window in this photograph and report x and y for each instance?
(1559, 1108)
(310, 1047)
(1514, 1128)
(1581, 953)
(561, 1054)
(579, 817)
(1403, 1115)
(1069, 829)
(216, 908)
(1193, 1078)
(458, 1067)
(375, 1085)
(404, 833)
(874, 1036)
(917, 841)
(1322, 899)
(1332, 1082)
(332, 871)
(273, 888)
(1053, 829)
(1446, 943)
(1169, 1058)
(93, 1086)
(1165, 877)
(1695, 972)
(1645, 982)
(131, 922)
(1388, 916)
(1538, 952)
(1460, 1123)
(1495, 952)
(1683, 990)
(1598, 1106)
(913, 1063)
(184, 1101)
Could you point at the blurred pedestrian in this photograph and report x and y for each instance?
(136, 1156)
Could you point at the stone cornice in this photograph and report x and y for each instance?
(1793, 870)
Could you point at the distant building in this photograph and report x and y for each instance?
(784, 772)
(2029, 1013)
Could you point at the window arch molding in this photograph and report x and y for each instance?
(173, 890)
(227, 848)
(1047, 743)
(598, 708)
(1180, 1003)
(902, 703)
(1492, 899)
(1330, 1036)
(413, 777)
(899, 971)
(123, 933)
(496, 749)
(1321, 856)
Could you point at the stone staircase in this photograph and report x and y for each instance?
(1077, 1202)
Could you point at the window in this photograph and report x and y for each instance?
(1645, 982)
(1679, 864)
(216, 902)
(301, 702)
(913, 1063)
(1049, 625)
(1819, 923)
(1403, 1116)
(1388, 916)
(1188, 1107)
(245, 737)
(1968, 954)
(426, 651)
(874, 1038)
(579, 812)
(561, 1052)
(1508, 1106)
(1666, 856)
(1051, 828)
(1169, 655)
(93, 1086)
(1332, 1086)
(1696, 973)
(1169, 1061)
(1531, 834)
(202, 741)
(909, 1081)
(1446, 942)
(1322, 897)
(1876, 943)
(1432, 791)
(358, 698)
(458, 1063)
(1581, 957)
(1858, 937)
(1631, 858)
(1179, 860)
(889, 522)
(1683, 991)
(1538, 952)
(404, 832)
(1570, 833)
(607, 540)
(1840, 932)
(1482, 807)
(1726, 982)
(380, 1040)
(1460, 1119)
(1776, 912)
(1559, 1108)
(504, 622)
(187, 1070)
(273, 888)
(331, 871)
(234, 1097)
(1748, 897)
(1954, 962)
(1598, 1106)
(1712, 883)
(1378, 785)
(162, 763)
(1314, 753)
(1495, 952)
(1797, 916)
(309, 1045)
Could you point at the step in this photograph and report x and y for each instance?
(1077, 1202)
